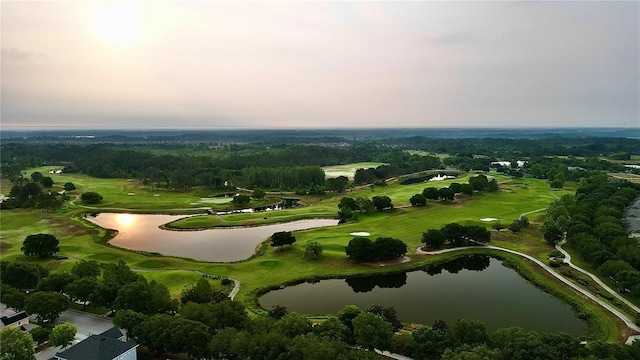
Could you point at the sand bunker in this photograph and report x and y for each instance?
(359, 233)
(488, 219)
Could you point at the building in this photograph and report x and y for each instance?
(18, 320)
(109, 345)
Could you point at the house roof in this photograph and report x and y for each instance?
(113, 333)
(8, 320)
(97, 347)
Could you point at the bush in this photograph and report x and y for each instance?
(40, 334)
(226, 281)
(91, 197)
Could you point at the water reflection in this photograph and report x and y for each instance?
(367, 283)
(475, 287)
(468, 262)
(125, 220)
(143, 232)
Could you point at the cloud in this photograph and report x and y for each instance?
(14, 54)
(454, 38)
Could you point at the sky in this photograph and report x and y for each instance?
(210, 65)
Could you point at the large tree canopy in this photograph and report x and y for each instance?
(282, 238)
(40, 245)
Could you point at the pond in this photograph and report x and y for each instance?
(143, 232)
(471, 287)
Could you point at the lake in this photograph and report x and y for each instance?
(471, 287)
(143, 232)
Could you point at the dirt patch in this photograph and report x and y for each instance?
(69, 227)
(4, 246)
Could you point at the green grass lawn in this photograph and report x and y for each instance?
(82, 240)
(348, 170)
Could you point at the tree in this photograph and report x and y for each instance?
(470, 332)
(145, 297)
(492, 186)
(466, 189)
(277, 312)
(372, 331)
(200, 293)
(515, 226)
(82, 289)
(84, 268)
(56, 282)
(21, 275)
(347, 314)
(16, 345)
(556, 184)
(479, 182)
(446, 194)
(382, 202)
(12, 298)
(337, 184)
(365, 205)
(347, 202)
(313, 250)
(47, 181)
(40, 245)
(282, 238)
(91, 197)
(37, 176)
(63, 334)
(130, 321)
(387, 313)
(454, 233)
(241, 200)
(46, 305)
(389, 248)
(40, 334)
(477, 233)
(345, 214)
(334, 329)
(418, 200)
(361, 249)
(258, 194)
(69, 186)
(456, 187)
(430, 193)
(114, 277)
(294, 324)
(433, 238)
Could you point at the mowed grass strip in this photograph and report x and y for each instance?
(348, 170)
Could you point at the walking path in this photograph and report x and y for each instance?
(628, 322)
(567, 260)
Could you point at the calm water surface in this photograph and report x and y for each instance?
(473, 287)
(142, 232)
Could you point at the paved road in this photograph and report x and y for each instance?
(88, 324)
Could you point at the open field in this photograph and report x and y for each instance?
(348, 170)
(80, 239)
(131, 195)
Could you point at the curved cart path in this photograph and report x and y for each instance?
(567, 260)
(628, 322)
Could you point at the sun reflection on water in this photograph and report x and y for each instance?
(125, 219)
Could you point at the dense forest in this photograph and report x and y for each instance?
(294, 167)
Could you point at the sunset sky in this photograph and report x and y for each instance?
(177, 65)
